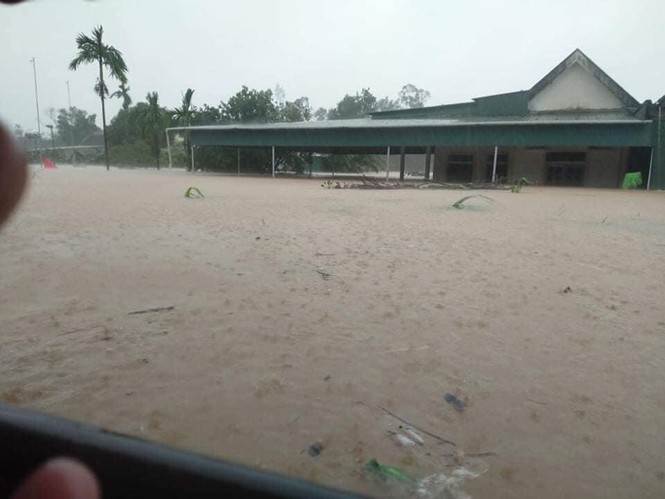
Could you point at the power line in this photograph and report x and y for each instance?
(39, 125)
(34, 73)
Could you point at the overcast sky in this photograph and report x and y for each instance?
(322, 49)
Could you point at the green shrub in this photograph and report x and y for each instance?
(179, 158)
(135, 154)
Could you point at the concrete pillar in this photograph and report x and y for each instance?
(656, 178)
(428, 160)
(402, 159)
(439, 169)
(193, 168)
(388, 163)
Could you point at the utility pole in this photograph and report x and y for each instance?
(71, 124)
(50, 127)
(39, 126)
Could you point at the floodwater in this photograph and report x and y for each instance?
(301, 313)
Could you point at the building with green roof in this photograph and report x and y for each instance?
(574, 127)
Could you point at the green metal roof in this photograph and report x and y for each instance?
(426, 132)
(514, 103)
(510, 104)
(443, 111)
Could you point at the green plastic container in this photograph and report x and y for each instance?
(632, 180)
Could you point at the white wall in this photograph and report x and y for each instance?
(528, 163)
(575, 88)
(439, 164)
(480, 155)
(603, 167)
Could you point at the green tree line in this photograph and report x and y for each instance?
(135, 135)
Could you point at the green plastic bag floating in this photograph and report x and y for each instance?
(386, 473)
(632, 180)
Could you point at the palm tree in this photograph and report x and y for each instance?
(183, 116)
(91, 50)
(123, 93)
(153, 119)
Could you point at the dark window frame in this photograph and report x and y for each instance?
(565, 168)
(502, 165)
(459, 167)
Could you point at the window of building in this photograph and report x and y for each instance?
(501, 167)
(460, 168)
(565, 168)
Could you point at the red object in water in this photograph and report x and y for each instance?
(48, 164)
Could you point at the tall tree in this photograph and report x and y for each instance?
(153, 120)
(386, 104)
(279, 94)
(297, 110)
(123, 93)
(354, 106)
(321, 114)
(74, 125)
(183, 115)
(411, 96)
(207, 115)
(92, 49)
(126, 127)
(250, 106)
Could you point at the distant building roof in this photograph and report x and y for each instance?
(579, 57)
(575, 104)
(517, 103)
(96, 138)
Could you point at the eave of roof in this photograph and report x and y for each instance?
(513, 103)
(527, 120)
(579, 57)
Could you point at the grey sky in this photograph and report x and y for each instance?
(322, 49)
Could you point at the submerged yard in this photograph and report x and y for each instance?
(278, 314)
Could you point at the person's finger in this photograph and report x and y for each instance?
(59, 478)
(13, 174)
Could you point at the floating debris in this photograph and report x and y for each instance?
(446, 484)
(412, 434)
(401, 440)
(459, 204)
(324, 273)
(315, 449)
(149, 310)
(406, 422)
(455, 401)
(385, 472)
(375, 183)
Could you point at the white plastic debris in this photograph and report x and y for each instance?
(413, 435)
(447, 485)
(402, 440)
